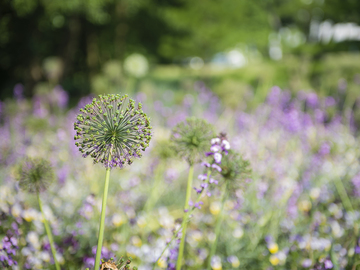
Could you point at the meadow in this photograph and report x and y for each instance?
(296, 209)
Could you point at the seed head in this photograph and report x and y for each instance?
(234, 168)
(191, 139)
(112, 130)
(35, 175)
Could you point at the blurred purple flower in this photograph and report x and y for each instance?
(217, 157)
(330, 101)
(19, 91)
(61, 97)
(312, 100)
(324, 149)
(328, 264)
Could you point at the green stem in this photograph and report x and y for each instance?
(166, 247)
(218, 225)
(343, 195)
(49, 234)
(190, 212)
(355, 265)
(186, 215)
(102, 220)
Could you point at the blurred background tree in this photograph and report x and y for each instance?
(74, 42)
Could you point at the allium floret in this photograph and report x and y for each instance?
(191, 139)
(35, 175)
(112, 130)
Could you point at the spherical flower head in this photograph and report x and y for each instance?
(191, 139)
(112, 130)
(35, 175)
(234, 168)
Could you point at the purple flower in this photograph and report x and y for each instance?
(19, 91)
(324, 149)
(206, 164)
(356, 183)
(330, 101)
(61, 97)
(197, 205)
(204, 185)
(217, 157)
(306, 263)
(202, 177)
(328, 264)
(213, 181)
(312, 100)
(216, 167)
(215, 148)
(225, 144)
(215, 141)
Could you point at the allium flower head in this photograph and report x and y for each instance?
(191, 139)
(35, 175)
(112, 130)
(234, 168)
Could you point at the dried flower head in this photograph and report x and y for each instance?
(112, 130)
(35, 175)
(122, 264)
(191, 139)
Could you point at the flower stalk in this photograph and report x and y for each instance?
(218, 225)
(187, 220)
(48, 232)
(186, 216)
(102, 220)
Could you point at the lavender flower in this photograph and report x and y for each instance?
(112, 131)
(8, 250)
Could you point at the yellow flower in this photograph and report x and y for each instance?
(235, 263)
(141, 222)
(162, 263)
(216, 266)
(117, 220)
(274, 260)
(273, 248)
(136, 241)
(196, 236)
(315, 193)
(16, 210)
(29, 215)
(215, 208)
(305, 205)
